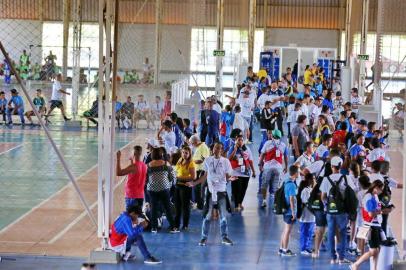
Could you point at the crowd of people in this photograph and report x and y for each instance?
(322, 166)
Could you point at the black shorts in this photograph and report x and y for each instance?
(56, 104)
(321, 218)
(375, 237)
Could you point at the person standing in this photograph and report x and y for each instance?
(137, 173)
(242, 163)
(217, 170)
(212, 119)
(300, 136)
(201, 152)
(3, 105)
(56, 98)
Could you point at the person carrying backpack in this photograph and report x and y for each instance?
(334, 190)
(305, 216)
(289, 216)
(273, 154)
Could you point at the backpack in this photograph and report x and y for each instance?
(350, 198)
(279, 205)
(335, 200)
(385, 196)
(314, 202)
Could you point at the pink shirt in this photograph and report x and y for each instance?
(134, 187)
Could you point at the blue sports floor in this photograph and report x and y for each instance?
(255, 232)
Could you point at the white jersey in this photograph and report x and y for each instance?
(56, 95)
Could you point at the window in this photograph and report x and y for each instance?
(235, 44)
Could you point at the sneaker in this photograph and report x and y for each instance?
(128, 256)
(67, 119)
(288, 253)
(227, 241)
(305, 253)
(280, 251)
(152, 260)
(203, 242)
(263, 205)
(333, 261)
(344, 261)
(154, 231)
(174, 230)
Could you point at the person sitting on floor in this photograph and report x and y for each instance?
(127, 230)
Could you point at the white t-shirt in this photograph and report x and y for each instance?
(262, 100)
(247, 106)
(304, 161)
(306, 216)
(316, 167)
(157, 108)
(326, 185)
(291, 108)
(217, 108)
(56, 95)
(169, 140)
(377, 176)
(217, 170)
(305, 111)
(320, 151)
(239, 122)
(282, 150)
(141, 105)
(238, 171)
(315, 113)
(377, 154)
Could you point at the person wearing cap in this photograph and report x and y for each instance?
(362, 127)
(56, 98)
(339, 220)
(3, 105)
(137, 173)
(127, 230)
(15, 106)
(272, 161)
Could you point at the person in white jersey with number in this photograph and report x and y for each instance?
(56, 98)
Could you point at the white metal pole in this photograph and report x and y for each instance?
(76, 56)
(363, 47)
(219, 59)
(158, 39)
(251, 30)
(348, 31)
(377, 99)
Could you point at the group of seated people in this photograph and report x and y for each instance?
(324, 167)
(129, 113)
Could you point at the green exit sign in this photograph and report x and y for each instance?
(219, 53)
(363, 57)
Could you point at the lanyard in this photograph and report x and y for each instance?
(215, 168)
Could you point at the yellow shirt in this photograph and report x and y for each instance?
(202, 151)
(307, 78)
(262, 73)
(182, 170)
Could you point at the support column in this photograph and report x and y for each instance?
(66, 19)
(377, 97)
(251, 30)
(348, 31)
(363, 47)
(77, 32)
(219, 59)
(158, 39)
(265, 20)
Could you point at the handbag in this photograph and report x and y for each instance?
(364, 232)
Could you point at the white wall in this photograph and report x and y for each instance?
(315, 38)
(17, 35)
(138, 41)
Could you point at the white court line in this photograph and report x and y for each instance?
(12, 148)
(53, 195)
(82, 215)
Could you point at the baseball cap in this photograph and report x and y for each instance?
(276, 133)
(362, 122)
(14, 91)
(336, 161)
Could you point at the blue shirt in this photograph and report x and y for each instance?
(228, 119)
(369, 134)
(319, 89)
(290, 190)
(118, 106)
(176, 130)
(212, 120)
(17, 101)
(3, 102)
(356, 149)
(329, 103)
